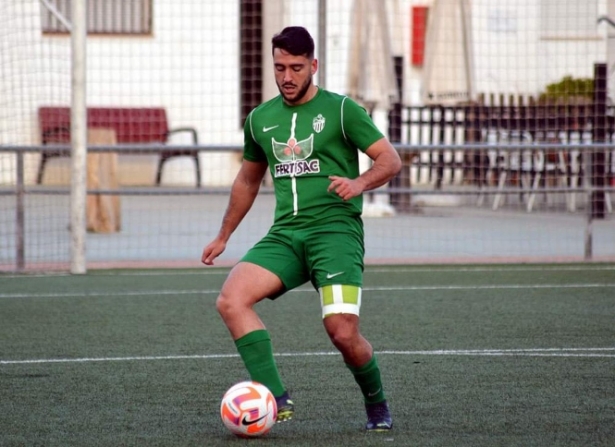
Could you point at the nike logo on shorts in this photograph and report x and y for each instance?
(267, 129)
(333, 275)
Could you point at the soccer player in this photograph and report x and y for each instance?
(309, 139)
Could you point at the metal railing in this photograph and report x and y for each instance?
(596, 193)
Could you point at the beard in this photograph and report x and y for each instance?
(299, 95)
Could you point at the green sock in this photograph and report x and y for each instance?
(368, 378)
(256, 351)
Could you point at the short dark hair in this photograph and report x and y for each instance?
(295, 40)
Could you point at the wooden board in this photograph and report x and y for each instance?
(103, 211)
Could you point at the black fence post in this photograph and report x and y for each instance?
(598, 157)
(399, 200)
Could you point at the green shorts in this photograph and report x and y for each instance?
(324, 255)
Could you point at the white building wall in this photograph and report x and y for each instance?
(190, 65)
(515, 54)
(608, 29)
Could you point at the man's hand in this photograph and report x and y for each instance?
(346, 188)
(212, 251)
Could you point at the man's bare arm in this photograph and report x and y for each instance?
(243, 193)
(386, 165)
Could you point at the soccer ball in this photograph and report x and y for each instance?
(248, 409)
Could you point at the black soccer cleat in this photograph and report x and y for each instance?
(378, 417)
(286, 407)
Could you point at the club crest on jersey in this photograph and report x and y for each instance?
(293, 157)
(318, 123)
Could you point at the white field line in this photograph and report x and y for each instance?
(393, 269)
(303, 289)
(607, 352)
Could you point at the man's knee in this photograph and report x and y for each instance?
(224, 305)
(343, 329)
(231, 302)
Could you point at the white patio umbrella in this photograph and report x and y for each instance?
(448, 74)
(371, 74)
(371, 77)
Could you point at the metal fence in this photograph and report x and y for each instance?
(484, 180)
(536, 215)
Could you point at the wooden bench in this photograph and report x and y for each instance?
(132, 125)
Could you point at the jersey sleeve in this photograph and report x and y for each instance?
(359, 129)
(252, 151)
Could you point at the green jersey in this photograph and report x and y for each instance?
(303, 146)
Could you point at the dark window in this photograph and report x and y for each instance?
(251, 54)
(103, 16)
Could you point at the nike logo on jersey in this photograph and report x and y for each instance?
(333, 275)
(267, 129)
